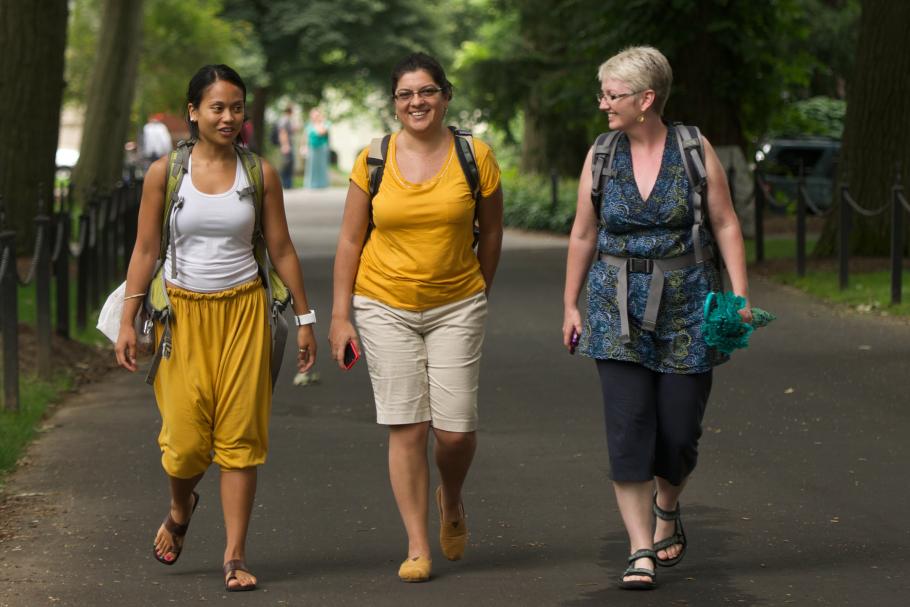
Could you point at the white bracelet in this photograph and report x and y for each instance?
(309, 318)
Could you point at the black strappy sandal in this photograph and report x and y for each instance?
(651, 584)
(177, 531)
(678, 537)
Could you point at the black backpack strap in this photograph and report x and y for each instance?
(602, 167)
(688, 138)
(467, 158)
(464, 148)
(379, 149)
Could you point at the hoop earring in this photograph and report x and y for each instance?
(640, 118)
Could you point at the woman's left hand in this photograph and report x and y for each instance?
(306, 348)
(746, 313)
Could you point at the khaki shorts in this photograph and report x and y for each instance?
(424, 366)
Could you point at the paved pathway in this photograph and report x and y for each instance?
(800, 496)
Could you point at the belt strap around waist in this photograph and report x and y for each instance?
(655, 267)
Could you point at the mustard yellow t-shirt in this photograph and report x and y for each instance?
(419, 254)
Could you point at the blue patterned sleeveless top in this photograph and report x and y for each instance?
(654, 228)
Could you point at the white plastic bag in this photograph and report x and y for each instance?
(111, 313)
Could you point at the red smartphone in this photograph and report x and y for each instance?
(573, 342)
(350, 355)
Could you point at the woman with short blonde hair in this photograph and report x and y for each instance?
(646, 289)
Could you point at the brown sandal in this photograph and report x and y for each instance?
(177, 531)
(230, 573)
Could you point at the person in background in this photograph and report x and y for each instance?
(655, 371)
(316, 135)
(418, 294)
(286, 146)
(156, 139)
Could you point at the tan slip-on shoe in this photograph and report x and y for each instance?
(453, 535)
(415, 569)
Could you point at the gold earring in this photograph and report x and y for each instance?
(640, 118)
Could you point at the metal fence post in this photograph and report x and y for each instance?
(801, 223)
(9, 320)
(83, 271)
(62, 272)
(759, 219)
(554, 190)
(43, 293)
(897, 239)
(843, 251)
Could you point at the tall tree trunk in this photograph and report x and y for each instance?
(549, 142)
(257, 117)
(32, 43)
(694, 98)
(110, 97)
(876, 128)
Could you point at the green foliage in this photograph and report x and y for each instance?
(818, 116)
(729, 60)
(529, 202)
(178, 37)
(868, 293)
(17, 429)
(308, 46)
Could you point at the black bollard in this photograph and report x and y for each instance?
(897, 238)
(9, 320)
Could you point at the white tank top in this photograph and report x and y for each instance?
(213, 234)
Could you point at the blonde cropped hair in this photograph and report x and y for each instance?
(642, 68)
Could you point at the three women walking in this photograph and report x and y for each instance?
(411, 293)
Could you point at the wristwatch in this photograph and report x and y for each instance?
(305, 319)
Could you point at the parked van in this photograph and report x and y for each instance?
(778, 164)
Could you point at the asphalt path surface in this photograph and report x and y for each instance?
(800, 496)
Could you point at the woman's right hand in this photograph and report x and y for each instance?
(126, 348)
(341, 331)
(571, 323)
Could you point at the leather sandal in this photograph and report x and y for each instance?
(230, 573)
(650, 584)
(678, 537)
(178, 532)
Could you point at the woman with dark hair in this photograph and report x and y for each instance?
(406, 269)
(647, 236)
(214, 386)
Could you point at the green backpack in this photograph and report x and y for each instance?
(157, 303)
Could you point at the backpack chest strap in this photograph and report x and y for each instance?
(656, 268)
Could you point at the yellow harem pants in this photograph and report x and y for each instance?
(215, 391)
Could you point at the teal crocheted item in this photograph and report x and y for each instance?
(723, 328)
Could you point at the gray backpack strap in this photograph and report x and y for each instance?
(688, 138)
(602, 167)
(164, 346)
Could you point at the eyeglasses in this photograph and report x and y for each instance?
(424, 93)
(614, 98)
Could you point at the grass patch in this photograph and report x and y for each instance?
(779, 247)
(867, 291)
(18, 428)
